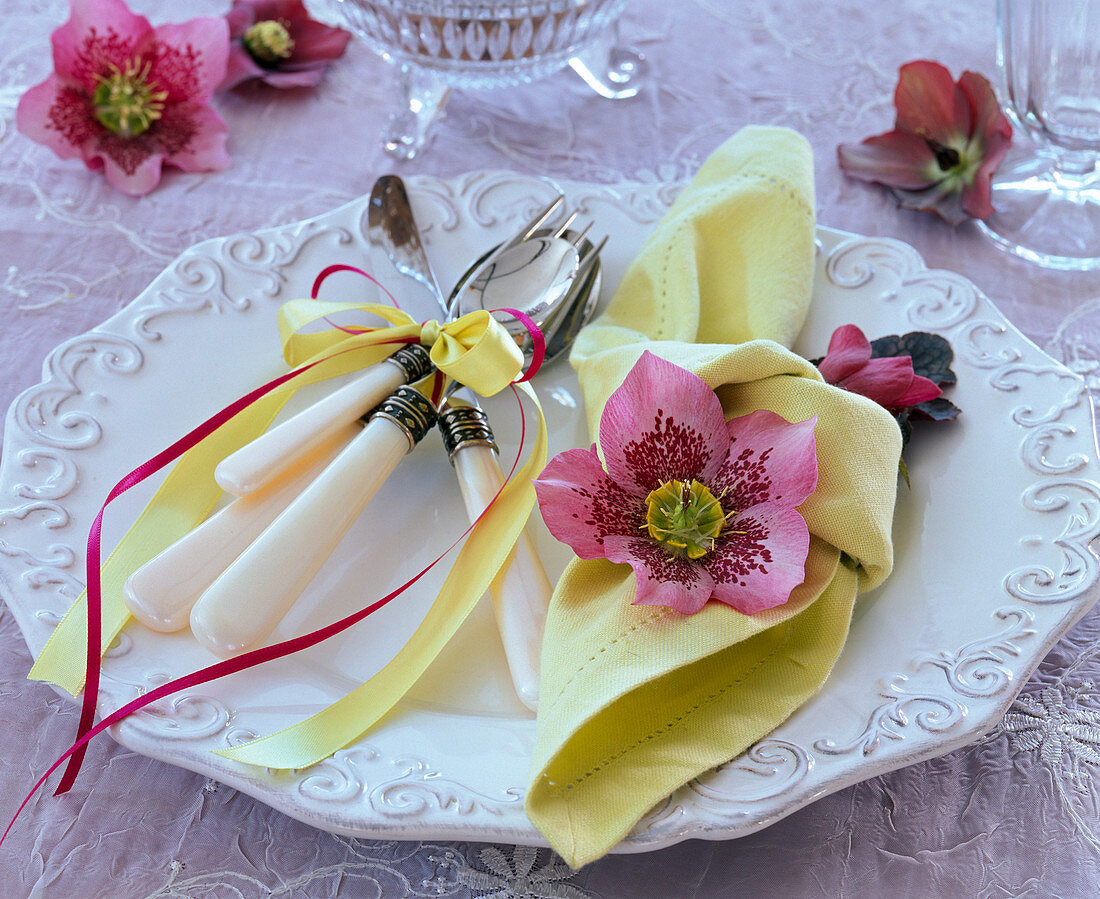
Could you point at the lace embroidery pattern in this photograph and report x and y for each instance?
(1066, 735)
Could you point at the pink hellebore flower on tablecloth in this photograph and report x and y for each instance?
(948, 140)
(128, 98)
(889, 381)
(699, 507)
(277, 42)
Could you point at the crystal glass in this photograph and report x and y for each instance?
(438, 45)
(1047, 197)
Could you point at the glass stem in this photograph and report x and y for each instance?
(610, 69)
(422, 98)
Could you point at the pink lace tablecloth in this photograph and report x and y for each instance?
(1013, 815)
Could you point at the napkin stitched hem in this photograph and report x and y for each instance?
(559, 790)
(735, 182)
(638, 625)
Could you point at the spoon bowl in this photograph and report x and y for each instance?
(535, 275)
(559, 322)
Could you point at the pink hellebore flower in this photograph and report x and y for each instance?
(889, 381)
(277, 42)
(699, 507)
(947, 142)
(127, 98)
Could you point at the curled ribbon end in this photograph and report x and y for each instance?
(429, 332)
(538, 343)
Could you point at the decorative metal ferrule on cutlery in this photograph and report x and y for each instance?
(410, 410)
(463, 426)
(414, 361)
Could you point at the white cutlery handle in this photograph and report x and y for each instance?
(247, 602)
(522, 593)
(161, 593)
(256, 464)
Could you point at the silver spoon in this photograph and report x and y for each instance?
(550, 262)
(559, 323)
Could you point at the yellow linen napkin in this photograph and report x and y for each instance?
(638, 700)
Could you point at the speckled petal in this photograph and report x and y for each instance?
(663, 423)
(98, 34)
(760, 559)
(191, 58)
(205, 151)
(57, 115)
(663, 579)
(770, 460)
(582, 506)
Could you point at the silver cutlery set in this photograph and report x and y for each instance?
(300, 486)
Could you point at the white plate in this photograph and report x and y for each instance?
(992, 541)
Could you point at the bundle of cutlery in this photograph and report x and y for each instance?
(299, 487)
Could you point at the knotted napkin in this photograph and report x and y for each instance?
(639, 700)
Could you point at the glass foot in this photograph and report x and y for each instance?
(1047, 215)
(422, 98)
(610, 69)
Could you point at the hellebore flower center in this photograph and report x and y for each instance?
(268, 41)
(955, 167)
(126, 102)
(685, 518)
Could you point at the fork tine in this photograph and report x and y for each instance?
(532, 226)
(576, 241)
(565, 225)
(589, 259)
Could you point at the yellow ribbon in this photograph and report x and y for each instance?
(475, 350)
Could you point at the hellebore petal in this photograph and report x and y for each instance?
(992, 126)
(663, 579)
(120, 33)
(881, 380)
(663, 422)
(929, 104)
(921, 390)
(582, 506)
(762, 560)
(849, 350)
(942, 198)
(769, 460)
(173, 69)
(895, 159)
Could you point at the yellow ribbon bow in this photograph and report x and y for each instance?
(475, 350)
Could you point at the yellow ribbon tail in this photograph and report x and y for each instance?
(476, 350)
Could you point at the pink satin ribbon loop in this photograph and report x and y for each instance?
(538, 351)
